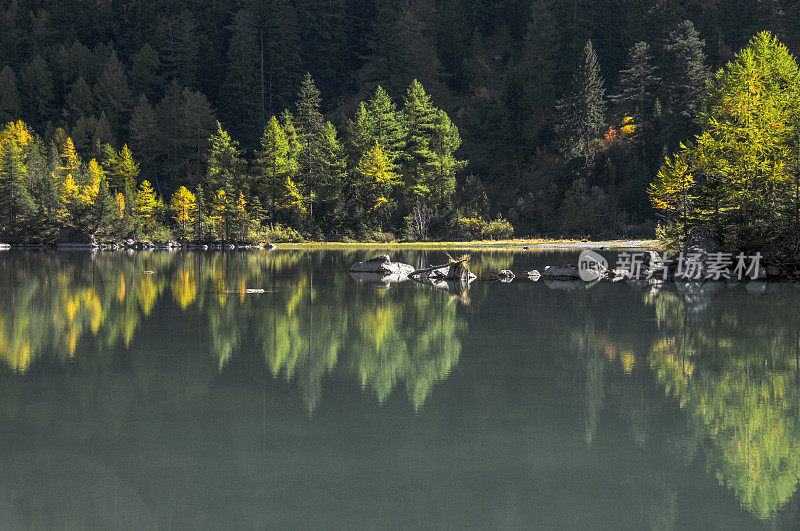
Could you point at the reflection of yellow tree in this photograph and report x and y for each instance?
(744, 390)
(305, 329)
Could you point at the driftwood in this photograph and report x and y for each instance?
(457, 264)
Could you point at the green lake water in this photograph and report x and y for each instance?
(151, 391)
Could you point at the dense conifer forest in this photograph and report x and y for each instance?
(356, 119)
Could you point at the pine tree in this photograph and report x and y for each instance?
(196, 126)
(226, 172)
(179, 48)
(80, 101)
(582, 112)
(103, 133)
(387, 124)
(419, 159)
(536, 67)
(273, 164)
(104, 209)
(9, 96)
(638, 83)
(145, 138)
(279, 54)
(168, 114)
(245, 101)
(329, 188)
(310, 133)
(114, 96)
(146, 76)
(15, 200)
(37, 85)
(686, 74)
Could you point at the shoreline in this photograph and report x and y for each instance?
(477, 245)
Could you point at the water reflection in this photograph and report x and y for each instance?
(196, 363)
(240, 302)
(738, 373)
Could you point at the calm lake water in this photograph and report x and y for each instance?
(174, 399)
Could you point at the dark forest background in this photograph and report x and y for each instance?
(156, 75)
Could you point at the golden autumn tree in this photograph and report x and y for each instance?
(146, 204)
(376, 179)
(183, 204)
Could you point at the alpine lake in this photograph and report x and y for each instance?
(272, 390)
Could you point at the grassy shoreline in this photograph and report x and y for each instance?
(520, 244)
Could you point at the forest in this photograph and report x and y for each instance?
(408, 120)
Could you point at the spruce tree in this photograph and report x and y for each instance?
(582, 112)
(419, 159)
(80, 101)
(197, 123)
(245, 102)
(9, 96)
(114, 96)
(145, 139)
(638, 83)
(37, 86)
(387, 124)
(686, 72)
(226, 172)
(15, 200)
(310, 132)
(273, 164)
(146, 76)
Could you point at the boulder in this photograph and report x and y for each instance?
(561, 273)
(382, 265)
(534, 275)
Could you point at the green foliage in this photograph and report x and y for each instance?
(582, 113)
(743, 153)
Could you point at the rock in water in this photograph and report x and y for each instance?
(561, 273)
(381, 265)
(534, 275)
(505, 275)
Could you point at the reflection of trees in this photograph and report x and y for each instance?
(738, 374)
(303, 329)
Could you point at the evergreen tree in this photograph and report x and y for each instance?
(80, 101)
(245, 99)
(582, 112)
(15, 201)
(311, 135)
(114, 97)
(686, 73)
(146, 76)
(102, 133)
(104, 209)
(179, 48)
(196, 126)
(638, 83)
(9, 96)
(419, 159)
(386, 124)
(145, 139)
(226, 173)
(273, 164)
(37, 85)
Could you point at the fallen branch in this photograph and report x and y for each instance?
(436, 268)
